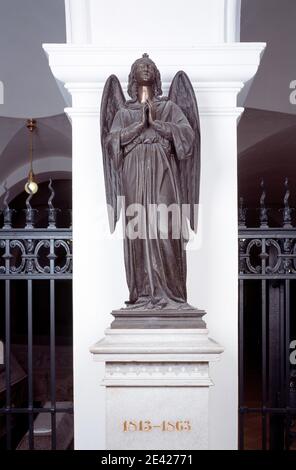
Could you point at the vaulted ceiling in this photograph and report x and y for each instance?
(30, 90)
(267, 129)
(273, 22)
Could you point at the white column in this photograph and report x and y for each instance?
(218, 73)
(214, 266)
(78, 26)
(87, 261)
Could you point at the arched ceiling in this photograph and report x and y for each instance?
(272, 159)
(51, 138)
(52, 148)
(267, 128)
(256, 125)
(30, 89)
(273, 22)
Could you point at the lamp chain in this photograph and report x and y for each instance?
(31, 186)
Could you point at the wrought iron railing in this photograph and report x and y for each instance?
(267, 280)
(30, 254)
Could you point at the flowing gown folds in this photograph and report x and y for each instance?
(155, 260)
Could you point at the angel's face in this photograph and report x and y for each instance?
(145, 73)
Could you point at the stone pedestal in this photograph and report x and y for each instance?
(157, 385)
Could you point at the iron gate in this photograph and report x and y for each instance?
(267, 330)
(31, 257)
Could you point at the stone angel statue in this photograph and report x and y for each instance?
(151, 154)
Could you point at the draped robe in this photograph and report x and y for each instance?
(155, 264)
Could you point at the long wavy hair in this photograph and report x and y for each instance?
(132, 82)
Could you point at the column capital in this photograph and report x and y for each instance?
(217, 71)
(221, 63)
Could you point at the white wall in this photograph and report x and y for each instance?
(150, 24)
(157, 22)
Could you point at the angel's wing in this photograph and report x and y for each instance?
(182, 93)
(112, 99)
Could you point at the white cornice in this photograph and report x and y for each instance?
(85, 63)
